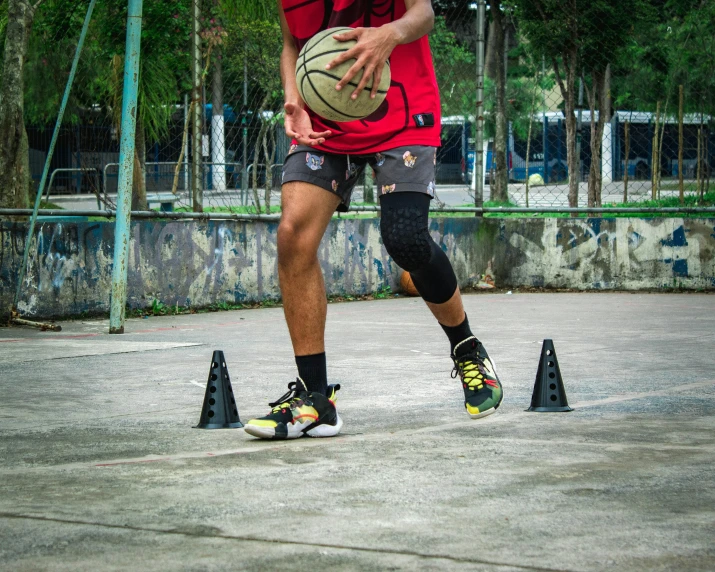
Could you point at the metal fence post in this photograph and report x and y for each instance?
(196, 121)
(126, 168)
(478, 173)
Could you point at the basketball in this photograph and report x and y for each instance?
(317, 85)
(407, 285)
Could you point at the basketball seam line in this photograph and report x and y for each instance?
(307, 76)
(321, 72)
(305, 61)
(321, 38)
(341, 113)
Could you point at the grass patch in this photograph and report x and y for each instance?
(46, 205)
(247, 209)
(692, 200)
(158, 308)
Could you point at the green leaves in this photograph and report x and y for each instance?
(455, 66)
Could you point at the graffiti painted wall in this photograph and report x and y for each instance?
(202, 263)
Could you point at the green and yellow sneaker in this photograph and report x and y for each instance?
(299, 413)
(482, 390)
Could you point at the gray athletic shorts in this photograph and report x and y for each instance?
(401, 169)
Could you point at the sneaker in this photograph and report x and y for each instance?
(482, 390)
(299, 413)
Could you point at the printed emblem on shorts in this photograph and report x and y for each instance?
(431, 189)
(435, 156)
(314, 162)
(352, 169)
(293, 148)
(409, 159)
(388, 188)
(379, 159)
(335, 185)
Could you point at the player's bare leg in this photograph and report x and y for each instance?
(307, 210)
(450, 313)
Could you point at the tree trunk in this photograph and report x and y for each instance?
(499, 186)
(15, 175)
(368, 189)
(139, 202)
(490, 57)
(597, 96)
(568, 92)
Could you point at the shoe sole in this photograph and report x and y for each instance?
(326, 430)
(483, 413)
(295, 432)
(487, 412)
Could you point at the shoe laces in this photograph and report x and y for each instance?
(469, 366)
(291, 397)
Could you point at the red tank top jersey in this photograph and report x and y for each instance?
(410, 114)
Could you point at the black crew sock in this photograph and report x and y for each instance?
(457, 334)
(314, 372)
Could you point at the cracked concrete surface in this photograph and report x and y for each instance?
(101, 468)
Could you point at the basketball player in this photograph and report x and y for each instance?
(399, 141)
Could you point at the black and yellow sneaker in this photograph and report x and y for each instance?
(482, 390)
(299, 413)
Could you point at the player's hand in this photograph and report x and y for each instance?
(374, 46)
(299, 127)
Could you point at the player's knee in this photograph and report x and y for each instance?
(295, 244)
(406, 237)
(288, 241)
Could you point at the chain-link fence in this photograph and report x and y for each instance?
(604, 102)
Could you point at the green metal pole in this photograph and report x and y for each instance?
(126, 168)
(479, 158)
(50, 152)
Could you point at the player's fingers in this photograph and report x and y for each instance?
(342, 57)
(349, 35)
(350, 74)
(366, 75)
(307, 141)
(376, 81)
(320, 135)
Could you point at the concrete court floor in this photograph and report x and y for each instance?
(101, 469)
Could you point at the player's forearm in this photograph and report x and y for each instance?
(289, 56)
(417, 21)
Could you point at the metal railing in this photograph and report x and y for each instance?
(356, 209)
(73, 170)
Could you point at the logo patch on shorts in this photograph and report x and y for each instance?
(293, 148)
(388, 188)
(351, 171)
(409, 159)
(314, 162)
(379, 159)
(335, 185)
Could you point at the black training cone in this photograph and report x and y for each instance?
(220, 410)
(549, 393)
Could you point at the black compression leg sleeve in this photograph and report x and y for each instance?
(404, 225)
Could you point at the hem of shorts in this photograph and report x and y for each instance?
(318, 182)
(408, 187)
